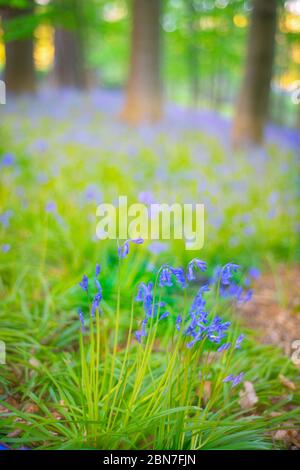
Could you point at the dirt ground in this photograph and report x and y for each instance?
(274, 311)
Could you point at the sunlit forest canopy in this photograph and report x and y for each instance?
(203, 47)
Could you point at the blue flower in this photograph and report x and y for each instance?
(254, 273)
(239, 340)
(84, 284)
(5, 247)
(51, 207)
(5, 218)
(138, 336)
(164, 315)
(196, 262)
(124, 250)
(96, 302)
(81, 318)
(178, 322)
(165, 277)
(97, 270)
(227, 272)
(8, 159)
(224, 347)
(235, 380)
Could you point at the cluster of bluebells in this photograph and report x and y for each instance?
(95, 298)
(197, 324)
(224, 278)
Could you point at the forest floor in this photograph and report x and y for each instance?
(274, 310)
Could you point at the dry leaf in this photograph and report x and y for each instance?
(288, 436)
(248, 397)
(286, 382)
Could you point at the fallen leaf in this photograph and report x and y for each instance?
(286, 382)
(248, 397)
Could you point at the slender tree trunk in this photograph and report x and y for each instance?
(69, 65)
(143, 100)
(252, 106)
(19, 73)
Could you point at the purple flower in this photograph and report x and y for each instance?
(98, 269)
(138, 336)
(235, 380)
(5, 247)
(124, 250)
(164, 315)
(239, 341)
(196, 262)
(96, 302)
(178, 322)
(8, 159)
(5, 218)
(254, 273)
(165, 278)
(81, 319)
(51, 207)
(224, 347)
(227, 272)
(84, 284)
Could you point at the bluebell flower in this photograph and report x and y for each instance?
(254, 273)
(227, 272)
(164, 315)
(81, 318)
(144, 290)
(216, 331)
(138, 336)
(97, 270)
(239, 341)
(5, 247)
(5, 218)
(8, 159)
(51, 207)
(196, 262)
(178, 322)
(179, 275)
(244, 297)
(124, 250)
(84, 284)
(96, 302)
(224, 347)
(165, 277)
(98, 286)
(235, 380)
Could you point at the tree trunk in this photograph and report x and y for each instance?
(143, 100)
(19, 73)
(252, 105)
(69, 64)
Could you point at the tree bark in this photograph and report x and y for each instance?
(143, 101)
(19, 73)
(252, 106)
(69, 64)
